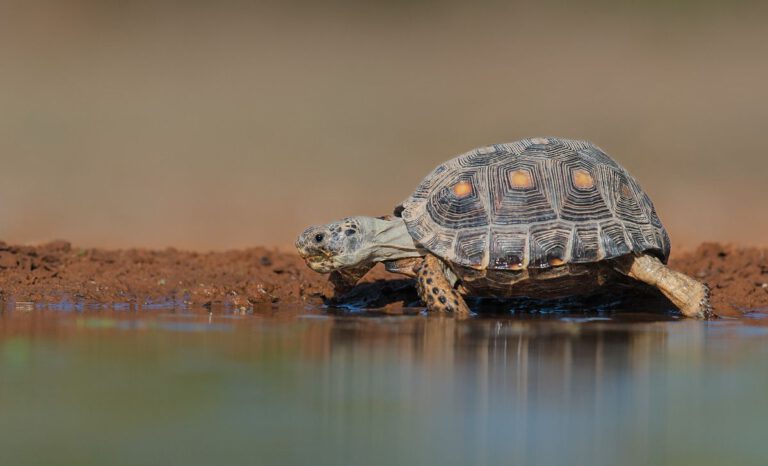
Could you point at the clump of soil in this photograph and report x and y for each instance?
(55, 271)
(51, 272)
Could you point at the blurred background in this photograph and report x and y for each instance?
(214, 125)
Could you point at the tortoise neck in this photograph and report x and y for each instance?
(389, 240)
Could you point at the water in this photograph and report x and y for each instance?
(84, 384)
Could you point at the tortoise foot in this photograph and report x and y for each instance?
(436, 291)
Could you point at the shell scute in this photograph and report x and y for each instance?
(508, 248)
(454, 209)
(548, 243)
(472, 245)
(516, 205)
(585, 246)
(582, 198)
(613, 240)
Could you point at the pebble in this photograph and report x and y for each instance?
(58, 245)
(7, 260)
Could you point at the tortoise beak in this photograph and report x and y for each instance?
(312, 254)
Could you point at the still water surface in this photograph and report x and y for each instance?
(86, 385)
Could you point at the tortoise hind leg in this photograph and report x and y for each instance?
(436, 290)
(689, 295)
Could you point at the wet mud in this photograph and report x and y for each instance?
(261, 277)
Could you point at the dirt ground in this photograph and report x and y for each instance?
(738, 277)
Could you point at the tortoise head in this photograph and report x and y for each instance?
(337, 245)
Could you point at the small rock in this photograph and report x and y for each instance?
(50, 258)
(57, 245)
(7, 260)
(265, 261)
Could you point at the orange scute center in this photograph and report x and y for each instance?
(582, 179)
(462, 189)
(556, 262)
(521, 179)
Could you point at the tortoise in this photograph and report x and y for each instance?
(542, 218)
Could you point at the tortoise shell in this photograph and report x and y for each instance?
(533, 204)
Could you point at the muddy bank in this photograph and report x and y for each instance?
(256, 277)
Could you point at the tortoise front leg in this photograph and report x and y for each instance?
(689, 295)
(345, 279)
(436, 291)
(408, 266)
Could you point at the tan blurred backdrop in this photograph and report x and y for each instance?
(224, 124)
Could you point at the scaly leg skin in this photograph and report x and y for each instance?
(436, 291)
(344, 280)
(408, 266)
(689, 295)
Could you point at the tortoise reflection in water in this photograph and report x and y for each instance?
(542, 218)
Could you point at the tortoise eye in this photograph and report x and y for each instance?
(319, 237)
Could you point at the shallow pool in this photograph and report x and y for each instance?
(89, 384)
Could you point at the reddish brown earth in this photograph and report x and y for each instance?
(255, 277)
